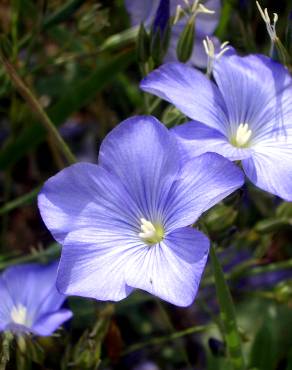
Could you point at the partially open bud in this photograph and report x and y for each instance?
(160, 32)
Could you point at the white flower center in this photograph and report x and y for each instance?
(19, 315)
(150, 234)
(242, 135)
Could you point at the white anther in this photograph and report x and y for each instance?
(271, 28)
(196, 7)
(203, 9)
(243, 135)
(149, 233)
(212, 56)
(19, 315)
(179, 13)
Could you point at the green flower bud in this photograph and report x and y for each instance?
(185, 43)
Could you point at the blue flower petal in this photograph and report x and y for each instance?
(203, 182)
(49, 323)
(190, 91)
(144, 155)
(33, 284)
(93, 264)
(5, 306)
(195, 138)
(172, 269)
(256, 91)
(270, 168)
(84, 196)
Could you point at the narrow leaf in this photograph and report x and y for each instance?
(227, 314)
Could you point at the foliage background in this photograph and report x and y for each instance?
(79, 58)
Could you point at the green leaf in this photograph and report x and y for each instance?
(263, 354)
(272, 224)
(81, 92)
(227, 314)
(63, 13)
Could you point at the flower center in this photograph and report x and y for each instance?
(242, 136)
(19, 315)
(151, 234)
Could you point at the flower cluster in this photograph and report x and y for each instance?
(128, 222)
(246, 115)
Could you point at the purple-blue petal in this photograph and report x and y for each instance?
(190, 91)
(33, 287)
(172, 269)
(270, 168)
(144, 155)
(93, 264)
(256, 91)
(203, 182)
(47, 324)
(6, 305)
(195, 138)
(78, 197)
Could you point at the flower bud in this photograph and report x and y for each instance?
(143, 47)
(160, 32)
(185, 43)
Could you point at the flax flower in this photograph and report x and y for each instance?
(30, 302)
(124, 223)
(246, 115)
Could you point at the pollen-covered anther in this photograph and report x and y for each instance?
(19, 315)
(150, 234)
(243, 135)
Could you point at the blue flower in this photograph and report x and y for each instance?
(146, 11)
(246, 115)
(124, 223)
(30, 302)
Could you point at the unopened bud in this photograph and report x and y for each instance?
(159, 42)
(143, 47)
(185, 43)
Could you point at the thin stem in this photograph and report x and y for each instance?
(165, 338)
(5, 355)
(171, 329)
(37, 108)
(227, 315)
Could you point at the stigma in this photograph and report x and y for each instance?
(150, 233)
(19, 315)
(242, 136)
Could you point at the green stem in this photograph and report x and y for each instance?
(20, 201)
(171, 329)
(37, 108)
(166, 338)
(5, 355)
(227, 314)
(52, 251)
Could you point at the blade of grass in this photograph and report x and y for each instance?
(20, 201)
(35, 106)
(227, 314)
(82, 92)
